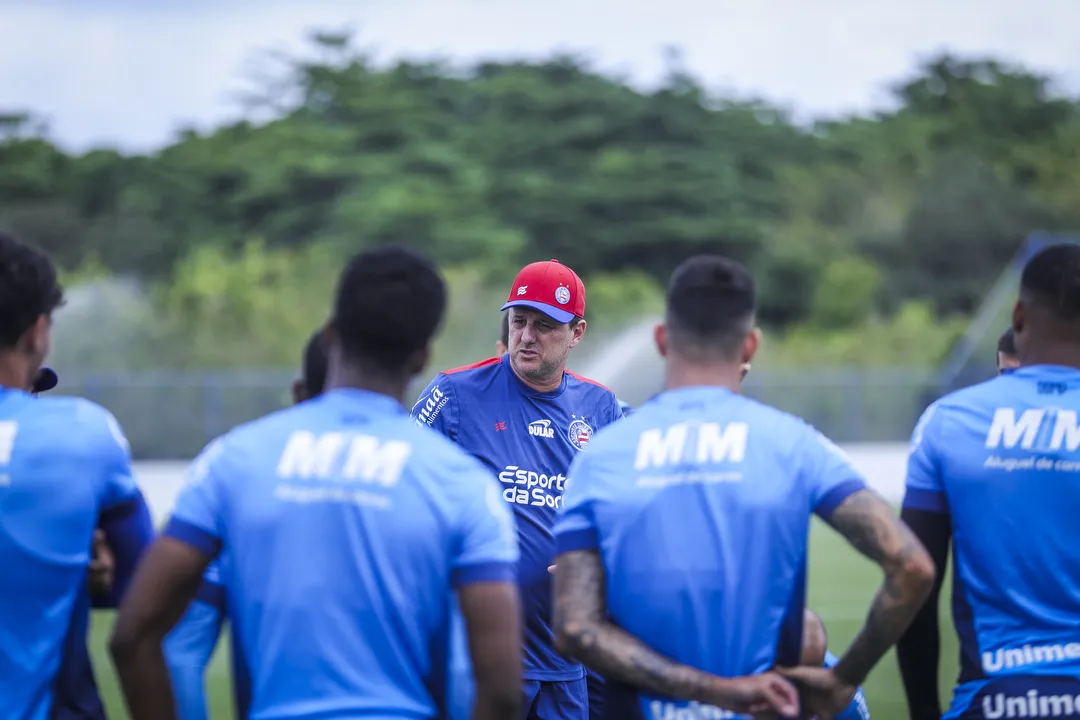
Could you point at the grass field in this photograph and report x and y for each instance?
(842, 584)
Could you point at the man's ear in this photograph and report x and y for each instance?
(577, 332)
(750, 346)
(660, 337)
(299, 391)
(36, 338)
(418, 361)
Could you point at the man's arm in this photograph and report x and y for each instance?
(129, 530)
(582, 632)
(165, 584)
(190, 646)
(869, 524)
(918, 650)
(492, 612)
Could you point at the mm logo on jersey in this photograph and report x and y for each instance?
(344, 457)
(1034, 429)
(542, 428)
(711, 443)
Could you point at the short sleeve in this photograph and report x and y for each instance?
(923, 487)
(575, 527)
(197, 518)
(437, 407)
(119, 486)
(831, 477)
(487, 546)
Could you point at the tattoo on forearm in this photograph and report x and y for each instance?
(586, 635)
(869, 524)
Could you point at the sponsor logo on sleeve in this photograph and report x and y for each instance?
(430, 406)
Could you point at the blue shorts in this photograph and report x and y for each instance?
(596, 695)
(555, 700)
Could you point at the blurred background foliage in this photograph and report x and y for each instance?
(873, 238)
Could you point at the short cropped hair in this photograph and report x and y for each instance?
(1051, 279)
(389, 303)
(711, 301)
(505, 336)
(1007, 343)
(315, 363)
(28, 289)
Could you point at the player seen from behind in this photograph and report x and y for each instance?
(526, 417)
(345, 528)
(66, 468)
(993, 469)
(190, 646)
(701, 466)
(75, 690)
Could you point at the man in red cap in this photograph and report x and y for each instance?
(526, 417)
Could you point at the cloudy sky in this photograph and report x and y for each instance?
(129, 72)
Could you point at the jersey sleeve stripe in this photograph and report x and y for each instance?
(836, 496)
(193, 535)
(212, 594)
(928, 500)
(574, 540)
(484, 572)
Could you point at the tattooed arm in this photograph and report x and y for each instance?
(582, 632)
(869, 524)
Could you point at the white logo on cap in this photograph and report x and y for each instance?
(522, 289)
(562, 296)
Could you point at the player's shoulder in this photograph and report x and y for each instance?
(472, 372)
(782, 429)
(588, 386)
(81, 420)
(258, 430)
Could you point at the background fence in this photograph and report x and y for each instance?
(171, 415)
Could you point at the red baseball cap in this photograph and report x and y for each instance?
(550, 287)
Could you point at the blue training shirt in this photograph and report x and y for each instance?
(701, 501)
(528, 439)
(345, 527)
(1002, 460)
(63, 462)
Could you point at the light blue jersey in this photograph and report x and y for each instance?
(699, 504)
(63, 462)
(342, 517)
(1002, 460)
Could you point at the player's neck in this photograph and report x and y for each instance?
(1063, 355)
(14, 371)
(680, 374)
(356, 379)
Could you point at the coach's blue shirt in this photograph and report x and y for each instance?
(699, 504)
(528, 439)
(346, 526)
(63, 461)
(1002, 459)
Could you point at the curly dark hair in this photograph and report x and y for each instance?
(390, 302)
(28, 289)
